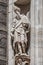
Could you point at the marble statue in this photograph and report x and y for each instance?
(19, 33)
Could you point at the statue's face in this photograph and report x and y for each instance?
(25, 26)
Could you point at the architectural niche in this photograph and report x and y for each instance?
(20, 32)
(3, 32)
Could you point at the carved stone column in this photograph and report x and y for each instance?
(36, 32)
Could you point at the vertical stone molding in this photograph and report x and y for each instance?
(36, 33)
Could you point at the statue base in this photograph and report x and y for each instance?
(22, 59)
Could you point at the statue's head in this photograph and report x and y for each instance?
(25, 22)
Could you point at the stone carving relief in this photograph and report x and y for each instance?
(3, 46)
(3, 32)
(19, 37)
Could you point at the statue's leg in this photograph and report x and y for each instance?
(23, 47)
(19, 48)
(15, 48)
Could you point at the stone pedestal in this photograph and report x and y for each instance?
(22, 59)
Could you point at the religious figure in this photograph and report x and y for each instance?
(19, 37)
(19, 32)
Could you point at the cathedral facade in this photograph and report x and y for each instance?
(21, 32)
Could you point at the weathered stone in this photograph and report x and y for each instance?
(3, 9)
(3, 27)
(22, 2)
(3, 32)
(2, 52)
(2, 62)
(3, 45)
(2, 16)
(3, 21)
(4, 1)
